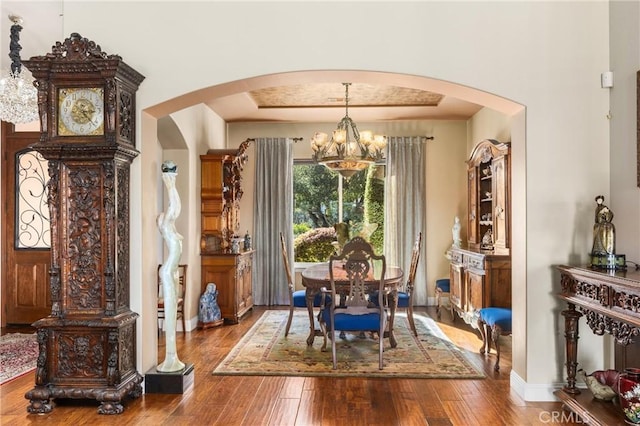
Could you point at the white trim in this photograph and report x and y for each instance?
(535, 392)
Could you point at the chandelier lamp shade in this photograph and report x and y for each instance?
(349, 150)
(18, 95)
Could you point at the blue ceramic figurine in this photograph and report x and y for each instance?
(209, 311)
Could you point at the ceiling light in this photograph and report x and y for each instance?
(18, 96)
(348, 151)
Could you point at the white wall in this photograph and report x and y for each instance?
(547, 56)
(201, 130)
(625, 63)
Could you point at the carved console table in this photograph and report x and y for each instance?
(610, 303)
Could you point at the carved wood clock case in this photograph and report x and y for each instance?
(86, 102)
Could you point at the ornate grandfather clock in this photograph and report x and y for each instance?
(86, 102)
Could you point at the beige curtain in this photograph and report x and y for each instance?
(404, 207)
(273, 199)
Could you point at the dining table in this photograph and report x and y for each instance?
(316, 277)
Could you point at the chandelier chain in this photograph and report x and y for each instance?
(18, 95)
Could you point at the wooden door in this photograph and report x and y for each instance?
(457, 294)
(476, 287)
(472, 220)
(25, 229)
(500, 202)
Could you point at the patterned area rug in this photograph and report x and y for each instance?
(265, 351)
(18, 355)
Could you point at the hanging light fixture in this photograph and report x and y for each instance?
(18, 96)
(349, 151)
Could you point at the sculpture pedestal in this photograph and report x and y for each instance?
(173, 382)
(610, 261)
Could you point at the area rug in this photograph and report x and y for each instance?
(264, 350)
(18, 355)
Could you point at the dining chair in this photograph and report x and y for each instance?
(355, 313)
(182, 279)
(297, 298)
(405, 297)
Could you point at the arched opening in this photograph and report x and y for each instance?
(201, 105)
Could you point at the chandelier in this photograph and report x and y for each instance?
(349, 151)
(18, 96)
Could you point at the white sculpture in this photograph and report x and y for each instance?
(455, 232)
(169, 270)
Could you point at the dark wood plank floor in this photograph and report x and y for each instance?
(254, 401)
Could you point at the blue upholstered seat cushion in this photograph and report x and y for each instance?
(497, 316)
(350, 322)
(299, 300)
(403, 299)
(444, 284)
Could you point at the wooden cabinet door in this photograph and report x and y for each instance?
(472, 220)
(222, 272)
(500, 190)
(456, 289)
(476, 287)
(498, 283)
(247, 285)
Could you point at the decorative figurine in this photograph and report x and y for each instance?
(604, 232)
(209, 314)
(455, 232)
(604, 239)
(487, 241)
(235, 245)
(169, 270)
(247, 241)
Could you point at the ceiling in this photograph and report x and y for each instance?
(322, 102)
(308, 102)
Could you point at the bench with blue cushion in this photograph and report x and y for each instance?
(494, 322)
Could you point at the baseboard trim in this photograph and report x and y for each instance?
(538, 392)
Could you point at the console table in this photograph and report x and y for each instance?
(610, 303)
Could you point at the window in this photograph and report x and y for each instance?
(323, 198)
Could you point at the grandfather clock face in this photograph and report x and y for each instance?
(80, 111)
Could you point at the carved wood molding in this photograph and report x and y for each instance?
(601, 324)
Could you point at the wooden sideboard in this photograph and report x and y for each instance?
(610, 303)
(221, 191)
(232, 274)
(478, 280)
(480, 274)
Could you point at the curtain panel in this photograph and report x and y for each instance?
(273, 199)
(405, 217)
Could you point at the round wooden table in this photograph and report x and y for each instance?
(316, 277)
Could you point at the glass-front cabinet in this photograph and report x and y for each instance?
(480, 273)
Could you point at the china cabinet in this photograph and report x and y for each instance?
(480, 273)
(223, 262)
(489, 192)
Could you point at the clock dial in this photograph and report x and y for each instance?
(80, 111)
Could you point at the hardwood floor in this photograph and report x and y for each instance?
(254, 401)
